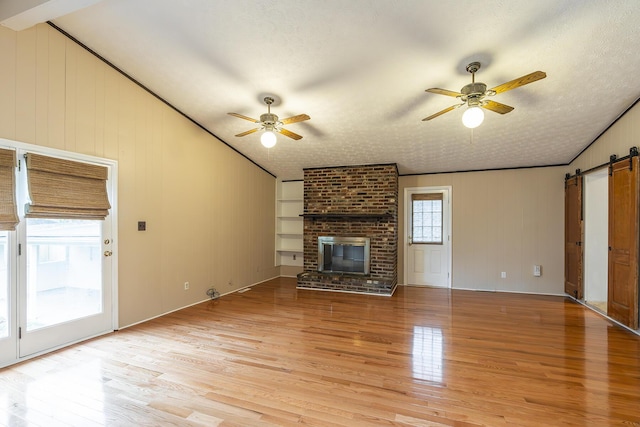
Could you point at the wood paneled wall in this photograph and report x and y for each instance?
(210, 212)
(622, 135)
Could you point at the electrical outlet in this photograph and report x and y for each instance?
(186, 286)
(503, 275)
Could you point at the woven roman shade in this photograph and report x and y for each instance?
(66, 189)
(426, 196)
(8, 212)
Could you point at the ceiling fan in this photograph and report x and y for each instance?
(270, 124)
(474, 95)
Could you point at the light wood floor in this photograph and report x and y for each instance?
(278, 356)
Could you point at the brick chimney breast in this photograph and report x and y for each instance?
(352, 201)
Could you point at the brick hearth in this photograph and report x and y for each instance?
(352, 201)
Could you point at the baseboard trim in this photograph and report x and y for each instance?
(195, 303)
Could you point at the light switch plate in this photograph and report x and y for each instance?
(537, 270)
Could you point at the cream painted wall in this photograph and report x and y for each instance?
(210, 212)
(505, 220)
(510, 220)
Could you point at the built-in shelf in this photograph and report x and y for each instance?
(289, 223)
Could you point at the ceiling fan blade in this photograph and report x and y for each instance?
(497, 107)
(290, 134)
(295, 119)
(444, 92)
(439, 113)
(240, 116)
(524, 80)
(248, 132)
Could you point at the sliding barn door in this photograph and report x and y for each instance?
(623, 242)
(573, 237)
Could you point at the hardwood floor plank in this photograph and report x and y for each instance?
(278, 356)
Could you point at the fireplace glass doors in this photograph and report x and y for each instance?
(343, 254)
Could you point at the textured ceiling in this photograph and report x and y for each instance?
(360, 68)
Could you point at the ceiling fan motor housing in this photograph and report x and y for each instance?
(269, 119)
(473, 93)
(270, 122)
(474, 89)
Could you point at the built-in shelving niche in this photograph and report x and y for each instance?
(289, 223)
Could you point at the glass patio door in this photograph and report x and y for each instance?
(65, 291)
(57, 278)
(4, 284)
(7, 302)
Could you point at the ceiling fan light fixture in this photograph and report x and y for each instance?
(268, 138)
(270, 124)
(474, 94)
(473, 117)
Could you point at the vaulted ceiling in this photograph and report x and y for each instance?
(359, 69)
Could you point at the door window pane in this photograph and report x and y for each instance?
(64, 270)
(4, 284)
(427, 221)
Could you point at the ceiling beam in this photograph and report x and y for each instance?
(22, 14)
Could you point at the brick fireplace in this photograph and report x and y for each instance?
(352, 202)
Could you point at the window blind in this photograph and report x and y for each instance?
(426, 196)
(8, 212)
(66, 189)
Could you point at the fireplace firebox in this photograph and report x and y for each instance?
(349, 255)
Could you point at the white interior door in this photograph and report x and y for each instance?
(428, 241)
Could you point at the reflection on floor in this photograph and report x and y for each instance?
(598, 305)
(280, 356)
